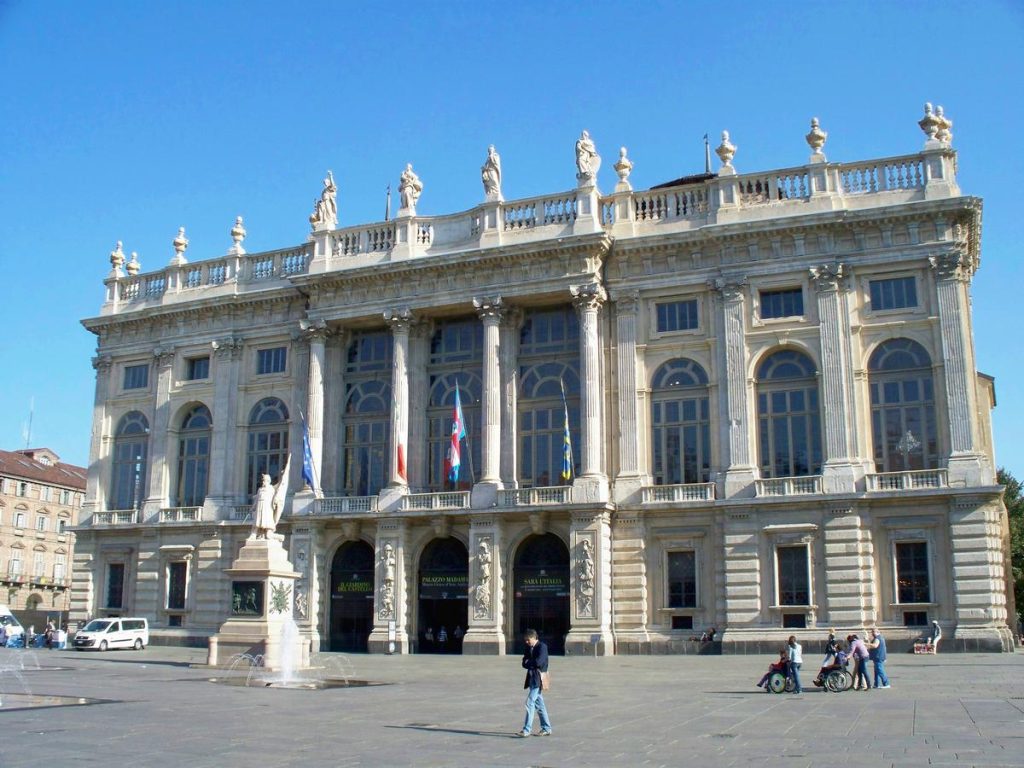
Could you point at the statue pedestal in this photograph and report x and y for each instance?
(260, 621)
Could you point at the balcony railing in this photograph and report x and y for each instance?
(428, 501)
(116, 517)
(789, 486)
(660, 494)
(908, 481)
(534, 497)
(181, 514)
(335, 505)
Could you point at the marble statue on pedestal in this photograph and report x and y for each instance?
(409, 187)
(490, 174)
(269, 503)
(325, 210)
(588, 162)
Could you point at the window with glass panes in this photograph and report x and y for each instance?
(367, 415)
(788, 302)
(42, 523)
(198, 368)
(903, 427)
(193, 458)
(682, 579)
(128, 480)
(680, 422)
(59, 567)
(39, 564)
(268, 442)
(677, 316)
(177, 580)
(271, 360)
(913, 582)
(549, 358)
(794, 577)
(788, 417)
(456, 359)
(893, 293)
(14, 564)
(136, 376)
(115, 585)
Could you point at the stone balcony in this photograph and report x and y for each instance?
(804, 485)
(917, 480)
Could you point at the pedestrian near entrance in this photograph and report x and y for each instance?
(442, 640)
(796, 660)
(429, 639)
(535, 662)
(876, 650)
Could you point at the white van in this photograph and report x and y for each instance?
(104, 634)
(10, 623)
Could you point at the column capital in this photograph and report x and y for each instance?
(952, 265)
(512, 317)
(588, 296)
(629, 302)
(730, 287)
(164, 357)
(400, 319)
(829, 277)
(314, 330)
(103, 363)
(489, 307)
(228, 348)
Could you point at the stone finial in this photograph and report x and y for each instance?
(816, 140)
(116, 260)
(726, 151)
(944, 132)
(238, 234)
(624, 167)
(180, 243)
(133, 266)
(929, 123)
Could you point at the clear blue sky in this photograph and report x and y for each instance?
(124, 121)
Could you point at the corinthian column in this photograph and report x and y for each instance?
(592, 484)
(227, 356)
(952, 280)
(317, 333)
(508, 351)
(734, 419)
(839, 473)
(628, 481)
(489, 308)
(398, 478)
(99, 454)
(159, 466)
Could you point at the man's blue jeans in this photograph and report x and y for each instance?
(794, 672)
(535, 702)
(880, 677)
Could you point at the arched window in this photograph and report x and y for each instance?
(903, 425)
(681, 436)
(367, 415)
(268, 442)
(549, 358)
(128, 479)
(193, 457)
(788, 418)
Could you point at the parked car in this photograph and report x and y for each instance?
(108, 634)
(11, 624)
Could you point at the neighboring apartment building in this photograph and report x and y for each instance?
(40, 498)
(746, 401)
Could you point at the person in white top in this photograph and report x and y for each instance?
(796, 660)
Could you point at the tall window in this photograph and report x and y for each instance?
(367, 419)
(198, 368)
(14, 564)
(194, 457)
(42, 523)
(903, 425)
(177, 580)
(115, 585)
(59, 567)
(794, 576)
(38, 564)
(268, 442)
(913, 582)
(681, 439)
(456, 355)
(788, 419)
(682, 579)
(19, 519)
(549, 357)
(128, 482)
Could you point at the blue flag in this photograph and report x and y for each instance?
(308, 472)
(566, 440)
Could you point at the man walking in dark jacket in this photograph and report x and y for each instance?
(535, 661)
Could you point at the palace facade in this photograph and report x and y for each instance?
(741, 401)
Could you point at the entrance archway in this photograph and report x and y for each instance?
(352, 597)
(444, 596)
(541, 594)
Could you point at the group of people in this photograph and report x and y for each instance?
(50, 637)
(439, 643)
(837, 656)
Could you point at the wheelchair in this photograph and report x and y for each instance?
(779, 682)
(838, 680)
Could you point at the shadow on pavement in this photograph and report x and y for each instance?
(464, 731)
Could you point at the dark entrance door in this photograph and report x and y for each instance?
(444, 596)
(352, 597)
(541, 597)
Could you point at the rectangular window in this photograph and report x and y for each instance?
(115, 585)
(788, 302)
(682, 579)
(794, 578)
(198, 368)
(913, 584)
(270, 360)
(65, 497)
(177, 573)
(46, 493)
(136, 376)
(62, 526)
(19, 519)
(41, 523)
(677, 316)
(23, 489)
(14, 565)
(59, 567)
(39, 565)
(895, 293)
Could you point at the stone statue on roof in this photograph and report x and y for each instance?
(490, 175)
(588, 162)
(325, 210)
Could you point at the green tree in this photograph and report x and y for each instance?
(1014, 501)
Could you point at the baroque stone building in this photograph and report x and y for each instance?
(746, 401)
(40, 498)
